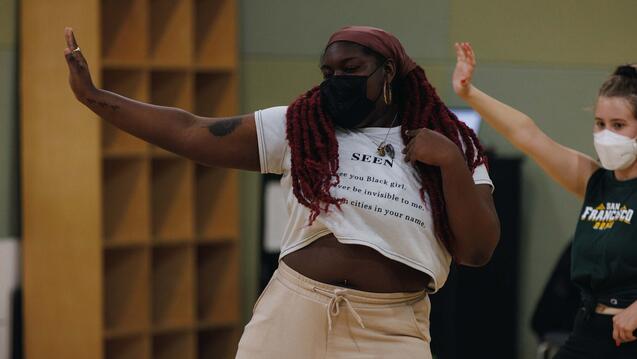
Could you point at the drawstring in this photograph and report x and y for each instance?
(333, 307)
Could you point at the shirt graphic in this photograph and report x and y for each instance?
(604, 216)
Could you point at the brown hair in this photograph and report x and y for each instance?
(622, 83)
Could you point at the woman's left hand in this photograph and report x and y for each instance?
(431, 148)
(624, 324)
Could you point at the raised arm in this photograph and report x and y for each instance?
(225, 142)
(568, 167)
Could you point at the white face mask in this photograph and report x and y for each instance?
(616, 152)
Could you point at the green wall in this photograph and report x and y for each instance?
(546, 58)
(9, 208)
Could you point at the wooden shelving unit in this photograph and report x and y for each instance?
(161, 256)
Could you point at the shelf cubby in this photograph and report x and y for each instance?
(172, 199)
(218, 343)
(170, 37)
(172, 88)
(173, 286)
(217, 204)
(131, 83)
(215, 94)
(135, 347)
(218, 284)
(215, 36)
(180, 345)
(167, 261)
(126, 291)
(125, 35)
(125, 199)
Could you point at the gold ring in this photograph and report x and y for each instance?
(77, 49)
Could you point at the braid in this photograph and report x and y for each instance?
(314, 153)
(314, 148)
(423, 108)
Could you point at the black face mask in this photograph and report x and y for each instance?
(344, 98)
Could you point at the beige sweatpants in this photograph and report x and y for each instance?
(297, 317)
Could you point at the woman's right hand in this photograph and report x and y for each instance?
(465, 65)
(79, 74)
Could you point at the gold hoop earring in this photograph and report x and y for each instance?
(387, 93)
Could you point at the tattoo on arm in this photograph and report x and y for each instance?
(224, 127)
(102, 104)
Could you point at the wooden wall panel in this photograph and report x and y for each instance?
(60, 186)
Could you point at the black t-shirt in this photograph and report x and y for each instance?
(604, 256)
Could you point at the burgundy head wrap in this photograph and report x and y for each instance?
(378, 40)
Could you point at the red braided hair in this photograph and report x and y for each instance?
(314, 148)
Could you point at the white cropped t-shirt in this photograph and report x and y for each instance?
(383, 208)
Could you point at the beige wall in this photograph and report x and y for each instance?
(546, 58)
(579, 33)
